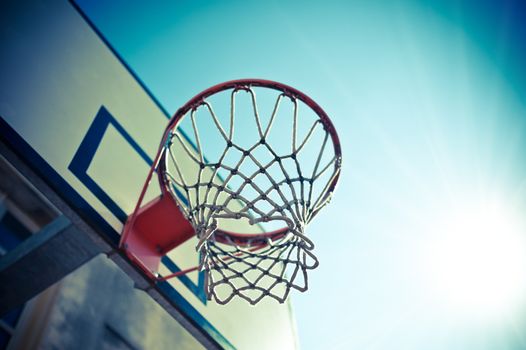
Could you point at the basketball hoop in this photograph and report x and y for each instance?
(245, 187)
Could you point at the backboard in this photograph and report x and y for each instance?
(74, 109)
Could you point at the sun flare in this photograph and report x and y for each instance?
(477, 261)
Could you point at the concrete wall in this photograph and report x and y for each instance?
(96, 307)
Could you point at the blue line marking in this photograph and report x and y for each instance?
(85, 153)
(79, 167)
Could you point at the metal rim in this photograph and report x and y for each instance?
(244, 239)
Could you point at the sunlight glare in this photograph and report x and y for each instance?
(478, 260)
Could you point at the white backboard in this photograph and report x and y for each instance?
(79, 113)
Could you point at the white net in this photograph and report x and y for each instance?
(256, 174)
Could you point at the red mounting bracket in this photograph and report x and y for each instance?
(152, 231)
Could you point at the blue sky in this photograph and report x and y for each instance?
(429, 101)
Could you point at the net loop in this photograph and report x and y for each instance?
(242, 186)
